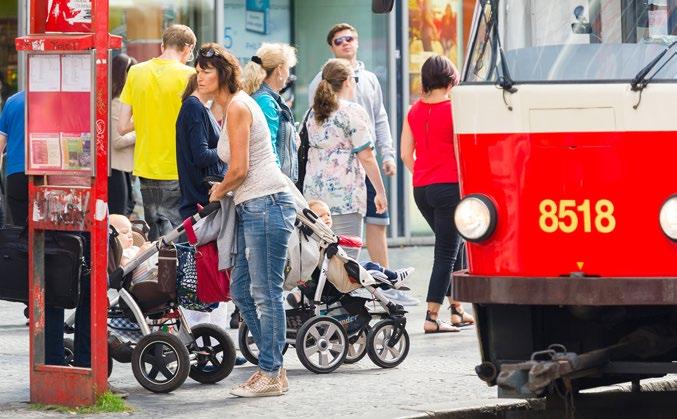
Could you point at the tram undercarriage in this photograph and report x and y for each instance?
(537, 350)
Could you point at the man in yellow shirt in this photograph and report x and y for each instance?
(152, 94)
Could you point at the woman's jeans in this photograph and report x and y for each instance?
(264, 227)
(437, 204)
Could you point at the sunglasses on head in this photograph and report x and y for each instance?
(341, 39)
(208, 52)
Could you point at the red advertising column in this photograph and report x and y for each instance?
(67, 105)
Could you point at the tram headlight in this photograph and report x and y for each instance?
(668, 217)
(475, 217)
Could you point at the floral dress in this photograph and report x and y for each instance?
(333, 172)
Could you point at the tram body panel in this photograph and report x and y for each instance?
(577, 175)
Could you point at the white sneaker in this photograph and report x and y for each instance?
(400, 297)
(404, 273)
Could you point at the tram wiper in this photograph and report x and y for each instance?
(504, 81)
(640, 81)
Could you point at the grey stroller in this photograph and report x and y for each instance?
(332, 325)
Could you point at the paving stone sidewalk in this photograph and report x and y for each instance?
(437, 376)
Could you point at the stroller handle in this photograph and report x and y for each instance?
(210, 208)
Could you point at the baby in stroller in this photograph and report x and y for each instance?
(145, 320)
(396, 279)
(329, 323)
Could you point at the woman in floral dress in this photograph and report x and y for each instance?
(341, 152)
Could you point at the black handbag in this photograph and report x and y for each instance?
(303, 152)
(64, 264)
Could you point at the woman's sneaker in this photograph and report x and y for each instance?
(260, 385)
(283, 380)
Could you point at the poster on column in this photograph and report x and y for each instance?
(69, 16)
(432, 30)
(243, 33)
(45, 151)
(76, 150)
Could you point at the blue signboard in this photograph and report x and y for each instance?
(256, 16)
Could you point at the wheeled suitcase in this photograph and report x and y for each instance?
(63, 266)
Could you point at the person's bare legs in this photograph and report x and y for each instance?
(432, 324)
(377, 244)
(459, 317)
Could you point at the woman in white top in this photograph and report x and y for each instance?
(265, 217)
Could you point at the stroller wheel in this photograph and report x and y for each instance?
(215, 354)
(378, 345)
(248, 347)
(160, 362)
(357, 346)
(322, 344)
(69, 354)
(68, 351)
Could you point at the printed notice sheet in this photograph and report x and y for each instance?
(76, 73)
(77, 151)
(45, 151)
(45, 73)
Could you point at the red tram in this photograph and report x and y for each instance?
(566, 132)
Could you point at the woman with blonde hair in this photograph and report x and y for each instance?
(263, 78)
(341, 151)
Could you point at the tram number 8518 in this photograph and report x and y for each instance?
(564, 216)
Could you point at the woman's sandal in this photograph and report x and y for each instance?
(440, 326)
(463, 318)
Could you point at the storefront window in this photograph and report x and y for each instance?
(249, 23)
(312, 22)
(8, 54)
(141, 22)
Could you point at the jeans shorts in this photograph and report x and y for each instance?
(372, 216)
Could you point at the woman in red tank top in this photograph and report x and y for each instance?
(427, 149)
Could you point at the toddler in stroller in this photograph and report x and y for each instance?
(329, 323)
(146, 325)
(396, 279)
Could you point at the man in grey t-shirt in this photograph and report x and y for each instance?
(343, 43)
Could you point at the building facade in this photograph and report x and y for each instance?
(392, 46)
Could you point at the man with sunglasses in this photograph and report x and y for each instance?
(343, 43)
(152, 94)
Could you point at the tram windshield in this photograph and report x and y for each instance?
(572, 40)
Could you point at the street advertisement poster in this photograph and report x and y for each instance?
(45, 151)
(69, 16)
(45, 73)
(76, 73)
(432, 30)
(238, 35)
(76, 149)
(256, 16)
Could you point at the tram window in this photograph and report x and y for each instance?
(572, 40)
(483, 49)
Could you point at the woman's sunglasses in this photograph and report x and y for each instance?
(341, 39)
(208, 52)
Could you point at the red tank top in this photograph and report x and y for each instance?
(433, 131)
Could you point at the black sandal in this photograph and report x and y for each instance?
(466, 319)
(440, 326)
